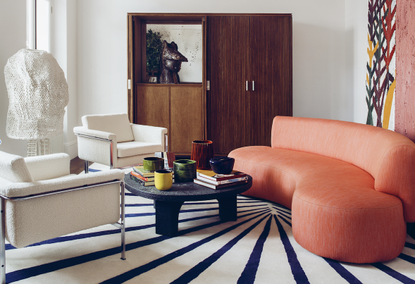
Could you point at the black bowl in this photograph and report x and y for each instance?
(222, 165)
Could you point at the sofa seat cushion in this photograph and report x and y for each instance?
(336, 212)
(277, 173)
(349, 223)
(128, 149)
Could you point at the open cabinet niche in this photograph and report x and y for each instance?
(189, 39)
(181, 108)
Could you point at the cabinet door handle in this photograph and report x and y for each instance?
(253, 85)
(247, 88)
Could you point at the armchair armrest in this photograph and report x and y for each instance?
(146, 133)
(90, 133)
(96, 146)
(48, 166)
(24, 189)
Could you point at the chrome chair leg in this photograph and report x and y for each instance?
(2, 242)
(86, 167)
(123, 221)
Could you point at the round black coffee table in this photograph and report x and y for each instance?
(168, 202)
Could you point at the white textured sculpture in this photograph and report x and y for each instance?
(38, 94)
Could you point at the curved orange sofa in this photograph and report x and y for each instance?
(350, 187)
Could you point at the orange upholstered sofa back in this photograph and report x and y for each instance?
(388, 156)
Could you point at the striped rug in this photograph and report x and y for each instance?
(257, 248)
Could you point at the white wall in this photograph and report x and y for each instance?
(12, 39)
(64, 49)
(356, 32)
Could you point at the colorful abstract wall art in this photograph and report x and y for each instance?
(380, 76)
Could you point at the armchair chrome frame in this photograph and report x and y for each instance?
(86, 165)
(120, 224)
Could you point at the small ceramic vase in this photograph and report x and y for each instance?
(202, 152)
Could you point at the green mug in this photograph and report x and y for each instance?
(152, 164)
(184, 170)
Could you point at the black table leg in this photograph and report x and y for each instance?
(167, 217)
(228, 208)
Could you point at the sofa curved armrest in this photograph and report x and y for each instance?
(147, 133)
(48, 166)
(12, 190)
(91, 133)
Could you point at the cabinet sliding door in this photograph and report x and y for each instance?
(270, 68)
(226, 61)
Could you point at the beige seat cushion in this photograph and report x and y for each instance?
(113, 123)
(128, 149)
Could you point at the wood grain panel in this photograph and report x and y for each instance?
(187, 117)
(227, 56)
(270, 66)
(152, 105)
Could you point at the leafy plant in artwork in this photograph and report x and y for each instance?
(380, 82)
(153, 48)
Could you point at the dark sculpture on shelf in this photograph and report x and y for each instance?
(170, 63)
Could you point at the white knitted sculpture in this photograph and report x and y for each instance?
(38, 94)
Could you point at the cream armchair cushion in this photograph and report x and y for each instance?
(110, 139)
(48, 166)
(114, 123)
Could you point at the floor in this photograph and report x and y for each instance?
(77, 166)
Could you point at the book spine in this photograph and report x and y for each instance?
(142, 182)
(233, 180)
(141, 173)
(219, 186)
(204, 183)
(137, 175)
(221, 178)
(226, 181)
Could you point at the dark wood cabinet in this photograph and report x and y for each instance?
(249, 66)
(247, 80)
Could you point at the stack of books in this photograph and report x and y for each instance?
(217, 181)
(145, 178)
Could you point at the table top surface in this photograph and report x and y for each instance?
(187, 191)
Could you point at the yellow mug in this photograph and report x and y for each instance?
(163, 179)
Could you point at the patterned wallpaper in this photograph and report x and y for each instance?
(381, 75)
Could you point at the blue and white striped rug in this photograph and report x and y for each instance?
(257, 248)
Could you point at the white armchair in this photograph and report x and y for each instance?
(41, 200)
(110, 139)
